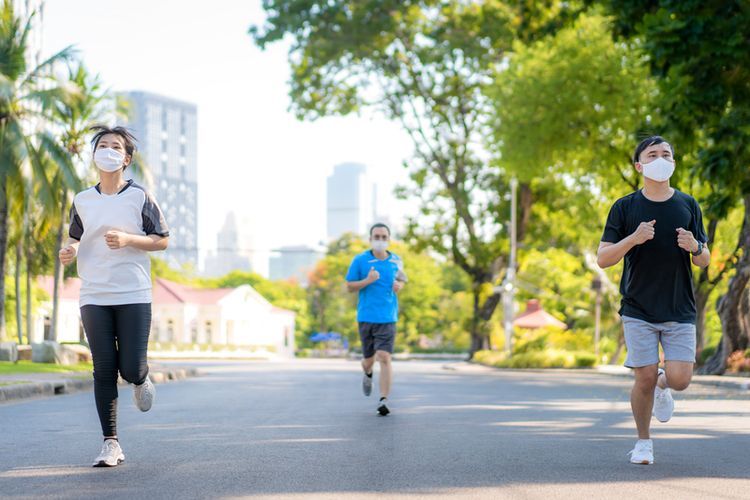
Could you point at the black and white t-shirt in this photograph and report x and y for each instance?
(122, 276)
(657, 279)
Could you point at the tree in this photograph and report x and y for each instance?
(74, 112)
(698, 51)
(23, 146)
(424, 64)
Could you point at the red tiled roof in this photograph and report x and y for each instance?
(536, 317)
(169, 292)
(69, 289)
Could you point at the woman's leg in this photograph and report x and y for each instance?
(99, 325)
(133, 327)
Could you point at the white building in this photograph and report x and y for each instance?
(220, 316)
(184, 315)
(351, 205)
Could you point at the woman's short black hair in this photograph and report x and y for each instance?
(380, 224)
(648, 142)
(127, 137)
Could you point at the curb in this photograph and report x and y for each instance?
(722, 381)
(15, 392)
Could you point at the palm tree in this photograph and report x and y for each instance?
(24, 92)
(79, 109)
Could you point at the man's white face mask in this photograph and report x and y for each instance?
(380, 245)
(658, 170)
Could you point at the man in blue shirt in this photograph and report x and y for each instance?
(378, 275)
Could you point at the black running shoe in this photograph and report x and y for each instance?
(383, 408)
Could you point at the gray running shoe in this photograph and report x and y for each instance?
(111, 454)
(367, 384)
(144, 394)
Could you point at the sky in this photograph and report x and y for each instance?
(254, 156)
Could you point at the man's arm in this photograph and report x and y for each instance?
(355, 286)
(610, 254)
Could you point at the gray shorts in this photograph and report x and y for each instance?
(642, 339)
(377, 337)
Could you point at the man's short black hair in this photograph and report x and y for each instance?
(648, 142)
(380, 224)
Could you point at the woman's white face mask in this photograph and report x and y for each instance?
(658, 170)
(108, 159)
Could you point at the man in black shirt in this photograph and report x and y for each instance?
(658, 230)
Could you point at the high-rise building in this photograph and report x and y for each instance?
(294, 262)
(167, 131)
(350, 200)
(235, 247)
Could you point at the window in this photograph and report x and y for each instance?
(170, 331)
(209, 332)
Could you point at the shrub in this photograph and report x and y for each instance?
(738, 362)
(547, 358)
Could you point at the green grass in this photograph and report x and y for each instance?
(8, 368)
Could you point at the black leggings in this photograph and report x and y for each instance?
(118, 338)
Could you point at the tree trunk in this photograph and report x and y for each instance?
(29, 319)
(703, 288)
(730, 306)
(58, 278)
(479, 339)
(3, 252)
(701, 305)
(19, 304)
(526, 200)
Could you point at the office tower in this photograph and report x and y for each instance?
(294, 262)
(167, 141)
(350, 200)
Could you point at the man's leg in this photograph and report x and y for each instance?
(678, 341)
(642, 399)
(368, 356)
(386, 372)
(677, 376)
(367, 364)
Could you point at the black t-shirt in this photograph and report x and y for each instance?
(657, 280)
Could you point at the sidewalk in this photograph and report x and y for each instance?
(724, 381)
(30, 385)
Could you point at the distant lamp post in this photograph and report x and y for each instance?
(509, 285)
(596, 285)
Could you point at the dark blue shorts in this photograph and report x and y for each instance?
(377, 337)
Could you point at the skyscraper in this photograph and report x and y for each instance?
(295, 262)
(167, 140)
(235, 247)
(350, 200)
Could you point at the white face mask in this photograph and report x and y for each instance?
(379, 245)
(108, 159)
(658, 170)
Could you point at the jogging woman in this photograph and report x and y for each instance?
(113, 226)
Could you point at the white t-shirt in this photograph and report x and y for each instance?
(114, 277)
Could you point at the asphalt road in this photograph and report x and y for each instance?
(304, 430)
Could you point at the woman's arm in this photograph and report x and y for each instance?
(148, 243)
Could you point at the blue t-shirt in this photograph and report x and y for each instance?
(378, 303)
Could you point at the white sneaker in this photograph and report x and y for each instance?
(144, 394)
(643, 453)
(663, 403)
(111, 454)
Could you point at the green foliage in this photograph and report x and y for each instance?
(547, 358)
(8, 368)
